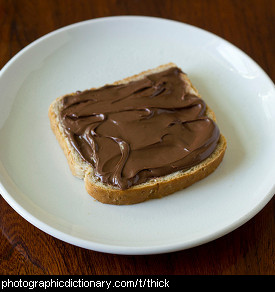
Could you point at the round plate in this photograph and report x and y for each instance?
(34, 174)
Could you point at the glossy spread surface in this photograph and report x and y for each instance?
(140, 130)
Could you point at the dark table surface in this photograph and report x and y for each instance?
(24, 249)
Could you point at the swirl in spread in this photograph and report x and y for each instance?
(140, 130)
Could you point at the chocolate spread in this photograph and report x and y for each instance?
(140, 130)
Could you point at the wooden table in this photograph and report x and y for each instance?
(24, 249)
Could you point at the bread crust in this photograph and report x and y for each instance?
(154, 188)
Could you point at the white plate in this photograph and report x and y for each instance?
(34, 174)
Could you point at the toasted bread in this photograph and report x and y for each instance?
(155, 187)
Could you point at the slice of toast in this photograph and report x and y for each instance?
(152, 187)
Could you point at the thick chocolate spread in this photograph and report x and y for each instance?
(140, 130)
